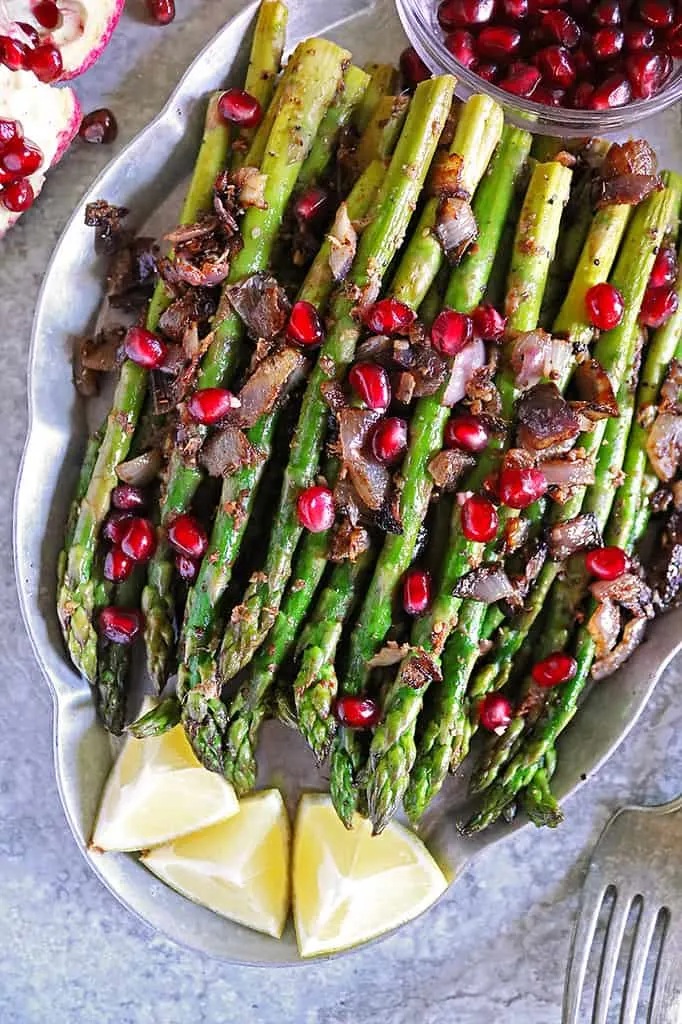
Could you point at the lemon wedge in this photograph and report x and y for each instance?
(348, 886)
(158, 790)
(239, 868)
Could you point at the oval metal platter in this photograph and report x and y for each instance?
(152, 168)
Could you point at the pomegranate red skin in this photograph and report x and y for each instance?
(466, 432)
(557, 67)
(238, 107)
(553, 670)
(606, 563)
(116, 525)
(488, 323)
(99, 127)
(162, 11)
(45, 62)
(357, 712)
(144, 348)
(389, 439)
(305, 326)
(120, 625)
(388, 316)
(521, 81)
(479, 519)
(139, 540)
(607, 43)
(494, 712)
(464, 13)
(561, 28)
(46, 14)
(644, 71)
(186, 568)
(17, 196)
(498, 42)
(417, 591)
(413, 68)
(311, 204)
(117, 565)
(315, 509)
(370, 383)
(19, 158)
(13, 53)
(519, 488)
(128, 498)
(614, 91)
(461, 45)
(187, 535)
(451, 331)
(605, 306)
(658, 306)
(639, 38)
(211, 405)
(665, 268)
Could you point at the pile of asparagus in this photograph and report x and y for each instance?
(304, 631)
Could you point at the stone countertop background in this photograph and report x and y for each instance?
(493, 950)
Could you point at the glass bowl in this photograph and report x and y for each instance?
(422, 29)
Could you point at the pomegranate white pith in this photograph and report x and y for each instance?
(83, 32)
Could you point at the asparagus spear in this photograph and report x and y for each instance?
(392, 752)
(355, 84)
(383, 130)
(76, 599)
(113, 664)
(378, 244)
(313, 75)
(265, 59)
(84, 478)
(383, 82)
(160, 719)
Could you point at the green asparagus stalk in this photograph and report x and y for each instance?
(383, 82)
(383, 131)
(76, 604)
(267, 46)
(158, 720)
(313, 75)
(84, 478)
(377, 246)
(539, 802)
(113, 664)
(355, 84)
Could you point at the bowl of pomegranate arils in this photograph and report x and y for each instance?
(561, 67)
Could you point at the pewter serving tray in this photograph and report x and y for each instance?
(152, 168)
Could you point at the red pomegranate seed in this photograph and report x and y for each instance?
(20, 158)
(658, 13)
(605, 306)
(389, 440)
(388, 316)
(658, 306)
(46, 14)
(644, 71)
(315, 509)
(614, 91)
(357, 712)
(499, 42)
(45, 62)
(186, 568)
(98, 127)
(495, 712)
(128, 498)
(584, 68)
(238, 107)
(370, 382)
(13, 54)
(162, 11)
(304, 325)
(451, 331)
(17, 196)
(521, 81)
(413, 68)
(479, 519)
(120, 625)
(117, 565)
(519, 488)
(514, 10)
(582, 95)
(639, 38)
(556, 668)
(488, 323)
(549, 97)
(139, 540)
(417, 591)
(489, 72)
(606, 563)
(583, 8)
(211, 405)
(607, 13)
(667, 69)
(607, 43)
(9, 131)
(187, 535)
(664, 270)
(561, 28)
(311, 203)
(674, 40)
(466, 432)
(115, 526)
(556, 66)
(461, 45)
(464, 13)
(31, 33)
(144, 348)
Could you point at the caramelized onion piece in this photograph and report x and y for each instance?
(633, 634)
(537, 356)
(488, 583)
(604, 627)
(574, 535)
(343, 239)
(268, 382)
(664, 445)
(141, 470)
(465, 364)
(261, 304)
(227, 450)
(545, 418)
(455, 228)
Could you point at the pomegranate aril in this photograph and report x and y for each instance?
(311, 204)
(557, 67)
(388, 316)
(211, 405)
(644, 71)
(117, 565)
(357, 712)
(31, 33)
(582, 95)
(187, 535)
(20, 158)
(461, 45)
(45, 62)
(658, 13)
(370, 382)
(658, 306)
(664, 271)
(186, 568)
(46, 14)
(464, 13)
(488, 323)
(607, 13)
(607, 43)
(304, 325)
(673, 40)
(144, 348)
(466, 432)
(521, 81)
(139, 540)
(13, 54)
(116, 526)
(549, 97)
(128, 498)
(582, 62)
(495, 712)
(98, 127)
(413, 68)
(668, 65)
(120, 625)
(389, 440)
(561, 28)
(606, 563)
(417, 591)
(605, 306)
(519, 488)
(9, 131)
(514, 10)
(451, 331)
(639, 38)
(555, 669)
(315, 509)
(487, 71)
(479, 519)
(614, 91)
(239, 107)
(499, 42)
(162, 11)
(17, 196)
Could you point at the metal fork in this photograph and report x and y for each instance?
(637, 863)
